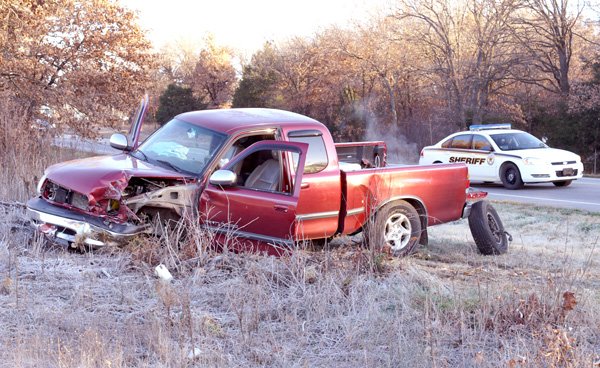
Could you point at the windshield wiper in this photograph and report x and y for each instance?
(174, 167)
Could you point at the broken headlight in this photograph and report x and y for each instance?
(41, 184)
(80, 201)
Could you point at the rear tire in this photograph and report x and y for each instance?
(511, 176)
(564, 183)
(487, 229)
(396, 226)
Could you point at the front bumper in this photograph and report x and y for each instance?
(70, 228)
(551, 173)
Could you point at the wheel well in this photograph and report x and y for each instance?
(164, 215)
(420, 208)
(437, 162)
(508, 163)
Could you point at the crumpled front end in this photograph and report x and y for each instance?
(68, 227)
(114, 209)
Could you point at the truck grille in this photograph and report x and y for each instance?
(563, 163)
(59, 194)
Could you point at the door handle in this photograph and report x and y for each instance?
(281, 208)
(304, 185)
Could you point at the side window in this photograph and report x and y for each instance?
(264, 170)
(481, 143)
(316, 157)
(447, 144)
(241, 144)
(462, 141)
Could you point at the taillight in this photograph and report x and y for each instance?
(422, 152)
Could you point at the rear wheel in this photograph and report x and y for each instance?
(511, 176)
(395, 226)
(564, 183)
(487, 229)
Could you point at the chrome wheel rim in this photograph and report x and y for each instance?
(398, 231)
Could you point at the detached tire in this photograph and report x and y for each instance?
(564, 183)
(487, 229)
(511, 176)
(397, 226)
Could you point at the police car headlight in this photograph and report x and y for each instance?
(533, 161)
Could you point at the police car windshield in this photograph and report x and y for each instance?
(517, 141)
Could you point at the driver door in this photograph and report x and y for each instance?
(256, 210)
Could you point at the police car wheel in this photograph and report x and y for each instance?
(487, 229)
(396, 226)
(564, 183)
(511, 176)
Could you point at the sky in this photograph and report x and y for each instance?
(245, 25)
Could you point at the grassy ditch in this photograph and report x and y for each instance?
(342, 305)
(445, 306)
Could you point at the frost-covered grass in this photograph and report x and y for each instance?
(444, 306)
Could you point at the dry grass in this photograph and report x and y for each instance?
(446, 306)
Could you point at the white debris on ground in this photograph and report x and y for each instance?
(162, 272)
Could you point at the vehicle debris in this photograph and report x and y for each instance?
(162, 272)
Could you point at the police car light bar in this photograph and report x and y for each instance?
(489, 126)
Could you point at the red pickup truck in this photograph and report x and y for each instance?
(270, 178)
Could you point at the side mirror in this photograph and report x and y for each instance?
(119, 141)
(224, 178)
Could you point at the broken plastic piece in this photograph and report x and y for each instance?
(163, 273)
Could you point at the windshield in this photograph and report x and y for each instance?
(517, 141)
(182, 147)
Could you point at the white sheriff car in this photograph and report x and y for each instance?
(496, 153)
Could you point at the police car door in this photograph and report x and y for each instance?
(482, 160)
(460, 149)
(462, 152)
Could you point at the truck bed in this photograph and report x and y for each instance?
(437, 190)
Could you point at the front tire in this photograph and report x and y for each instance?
(564, 183)
(396, 226)
(487, 229)
(511, 176)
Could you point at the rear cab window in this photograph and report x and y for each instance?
(316, 157)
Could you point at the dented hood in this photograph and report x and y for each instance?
(93, 175)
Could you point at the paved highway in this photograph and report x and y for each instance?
(583, 194)
(99, 146)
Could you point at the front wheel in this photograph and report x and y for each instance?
(511, 176)
(487, 229)
(397, 226)
(564, 183)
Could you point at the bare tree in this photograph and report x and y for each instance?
(468, 47)
(436, 26)
(546, 29)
